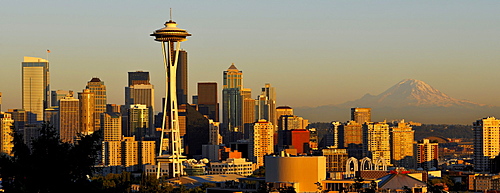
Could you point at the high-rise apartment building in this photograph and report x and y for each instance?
(231, 99)
(96, 86)
(36, 87)
(208, 103)
(333, 136)
(69, 119)
(87, 111)
(486, 142)
(361, 115)
(376, 141)
(427, 154)
(402, 137)
(261, 140)
(6, 133)
(111, 124)
(128, 152)
(352, 139)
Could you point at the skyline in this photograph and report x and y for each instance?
(352, 48)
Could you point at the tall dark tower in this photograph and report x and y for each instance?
(207, 100)
(182, 78)
(171, 37)
(138, 77)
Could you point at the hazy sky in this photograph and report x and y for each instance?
(314, 52)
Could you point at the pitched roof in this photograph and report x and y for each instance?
(232, 67)
(398, 181)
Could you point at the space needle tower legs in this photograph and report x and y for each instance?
(170, 37)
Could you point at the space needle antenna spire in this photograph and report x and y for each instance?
(170, 38)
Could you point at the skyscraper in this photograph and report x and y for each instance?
(262, 108)
(6, 133)
(0, 101)
(207, 100)
(427, 154)
(402, 137)
(353, 139)
(87, 109)
(270, 93)
(361, 115)
(231, 99)
(138, 77)
(111, 123)
(96, 86)
(248, 111)
(69, 119)
(36, 89)
(182, 77)
(140, 92)
(376, 141)
(486, 142)
(261, 139)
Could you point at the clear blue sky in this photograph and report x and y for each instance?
(314, 52)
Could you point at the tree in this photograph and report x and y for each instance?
(51, 166)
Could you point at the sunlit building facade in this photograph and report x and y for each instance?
(231, 99)
(96, 86)
(376, 141)
(35, 87)
(262, 143)
(69, 119)
(402, 137)
(6, 133)
(361, 115)
(486, 142)
(87, 110)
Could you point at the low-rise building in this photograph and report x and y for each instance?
(232, 166)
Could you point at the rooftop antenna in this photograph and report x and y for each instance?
(170, 14)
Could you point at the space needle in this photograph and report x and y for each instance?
(170, 37)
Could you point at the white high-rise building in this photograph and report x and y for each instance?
(262, 141)
(376, 141)
(486, 142)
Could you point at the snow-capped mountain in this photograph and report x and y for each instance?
(409, 99)
(410, 92)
